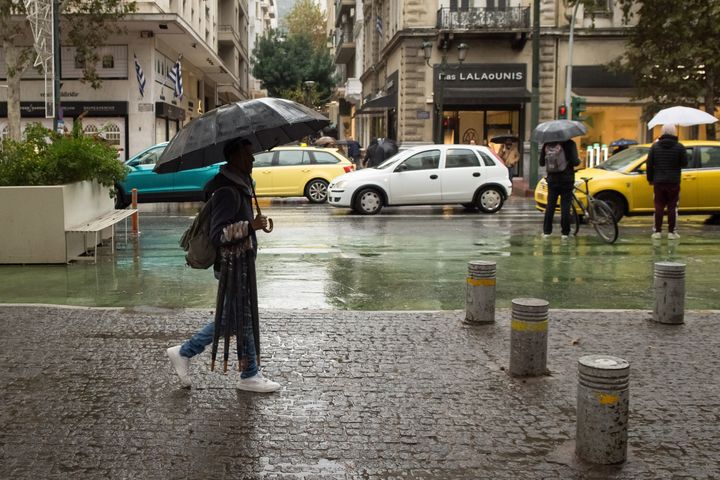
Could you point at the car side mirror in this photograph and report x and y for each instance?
(401, 168)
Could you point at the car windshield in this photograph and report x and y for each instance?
(393, 159)
(621, 160)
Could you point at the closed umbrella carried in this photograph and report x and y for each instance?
(265, 122)
(558, 131)
(682, 116)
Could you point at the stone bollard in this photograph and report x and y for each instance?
(603, 399)
(480, 292)
(528, 337)
(669, 292)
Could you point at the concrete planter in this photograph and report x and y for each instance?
(33, 220)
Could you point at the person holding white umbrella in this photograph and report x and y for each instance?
(666, 159)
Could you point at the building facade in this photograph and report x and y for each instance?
(208, 38)
(263, 17)
(379, 43)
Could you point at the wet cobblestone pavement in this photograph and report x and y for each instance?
(89, 393)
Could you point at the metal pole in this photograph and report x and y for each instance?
(568, 73)
(441, 93)
(57, 64)
(535, 106)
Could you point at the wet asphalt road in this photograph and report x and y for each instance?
(406, 258)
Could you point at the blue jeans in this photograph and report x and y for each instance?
(204, 337)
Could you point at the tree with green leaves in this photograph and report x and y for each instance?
(285, 63)
(673, 52)
(85, 25)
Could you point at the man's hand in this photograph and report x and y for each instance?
(260, 222)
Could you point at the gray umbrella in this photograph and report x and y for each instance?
(558, 131)
(265, 122)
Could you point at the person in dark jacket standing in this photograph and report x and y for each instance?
(233, 230)
(353, 151)
(560, 184)
(666, 159)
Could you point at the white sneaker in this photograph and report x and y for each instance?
(181, 365)
(546, 235)
(258, 383)
(656, 236)
(564, 237)
(673, 236)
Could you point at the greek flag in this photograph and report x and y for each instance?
(175, 75)
(140, 76)
(378, 25)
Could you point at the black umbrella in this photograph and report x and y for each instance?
(265, 122)
(504, 138)
(558, 131)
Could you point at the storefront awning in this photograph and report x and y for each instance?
(378, 105)
(485, 96)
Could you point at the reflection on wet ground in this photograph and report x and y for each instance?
(412, 258)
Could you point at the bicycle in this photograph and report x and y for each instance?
(596, 212)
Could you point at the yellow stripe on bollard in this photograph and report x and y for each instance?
(607, 399)
(523, 326)
(481, 282)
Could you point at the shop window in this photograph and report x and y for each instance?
(422, 161)
(461, 158)
(108, 61)
(112, 133)
(90, 130)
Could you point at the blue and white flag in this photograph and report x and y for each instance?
(140, 76)
(175, 75)
(378, 25)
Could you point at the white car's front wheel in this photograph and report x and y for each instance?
(490, 200)
(369, 201)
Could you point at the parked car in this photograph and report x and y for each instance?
(471, 175)
(282, 172)
(621, 181)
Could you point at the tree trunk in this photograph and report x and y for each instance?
(14, 68)
(710, 106)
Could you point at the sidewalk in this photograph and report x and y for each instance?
(89, 393)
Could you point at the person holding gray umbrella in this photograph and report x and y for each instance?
(560, 157)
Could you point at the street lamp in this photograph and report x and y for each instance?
(440, 108)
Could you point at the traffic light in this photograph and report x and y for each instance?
(562, 111)
(579, 105)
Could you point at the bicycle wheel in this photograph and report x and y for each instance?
(603, 220)
(575, 211)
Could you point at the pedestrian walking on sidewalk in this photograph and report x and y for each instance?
(666, 159)
(233, 230)
(561, 159)
(510, 155)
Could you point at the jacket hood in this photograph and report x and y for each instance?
(667, 141)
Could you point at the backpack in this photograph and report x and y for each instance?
(201, 252)
(555, 160)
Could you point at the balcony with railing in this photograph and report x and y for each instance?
(344, 45)
(480, 19)
(229, 34)
(343, 8)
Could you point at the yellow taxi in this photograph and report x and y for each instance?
(622, 183)
(298, 171)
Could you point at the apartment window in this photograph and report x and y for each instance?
(108, 61)
(600, 7)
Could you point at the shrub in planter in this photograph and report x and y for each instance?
(47, 158)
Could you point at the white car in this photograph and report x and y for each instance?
(471, 175)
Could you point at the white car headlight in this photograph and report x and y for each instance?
(339, 184)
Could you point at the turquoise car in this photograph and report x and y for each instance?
(185, 186)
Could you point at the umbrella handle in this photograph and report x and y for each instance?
(269, 228)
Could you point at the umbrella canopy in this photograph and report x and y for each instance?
(504, 138)
(265, 122)
(623, 142)
(682, 116)
(324, 141)
(558, 131)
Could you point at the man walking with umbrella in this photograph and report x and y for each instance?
(233, 230)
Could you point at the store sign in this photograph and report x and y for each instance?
(491, 75)
(71, 109)
(423, 115)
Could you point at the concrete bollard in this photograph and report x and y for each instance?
(528, 337)
(480, 292)
(603, 399)
(669, 285)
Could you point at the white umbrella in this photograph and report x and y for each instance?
(682, 116)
